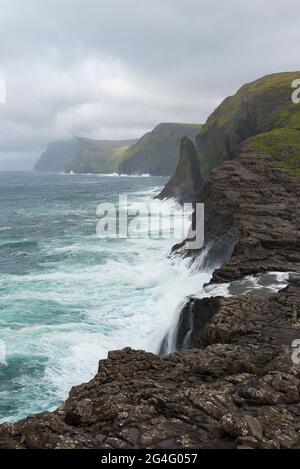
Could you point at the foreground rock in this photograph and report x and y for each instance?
(239, 389)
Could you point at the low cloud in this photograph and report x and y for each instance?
(114, 69)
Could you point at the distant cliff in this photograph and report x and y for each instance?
(98, 156)
(156, 153)
(82, 155)
(56, 157)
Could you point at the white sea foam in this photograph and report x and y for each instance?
(74, 311)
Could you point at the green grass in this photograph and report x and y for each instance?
(283, 145)
(275, 80)
(98, 156)
(288, 117)
(275, 83)
(257, 107)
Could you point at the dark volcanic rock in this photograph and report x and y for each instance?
(187, 180)
(242, 390)
(252, 217)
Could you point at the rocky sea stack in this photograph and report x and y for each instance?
(187, 180)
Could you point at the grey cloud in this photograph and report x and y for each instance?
(115, 68)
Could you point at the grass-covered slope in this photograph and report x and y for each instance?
(98, 156)
(283, 145)
(256, 108)
(156, 153)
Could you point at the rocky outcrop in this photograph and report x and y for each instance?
(187, 180)
(252, 216)
(239, 389)
(156, 153)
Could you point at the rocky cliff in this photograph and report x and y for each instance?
(156, 153)
(252, 216)
(258, 107)
(234, 381)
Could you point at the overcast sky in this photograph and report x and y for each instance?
(116, 68)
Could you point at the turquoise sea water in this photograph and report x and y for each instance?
(67, 297)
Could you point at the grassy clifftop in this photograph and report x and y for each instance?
(156, 153)
(256, 108)
(283, 145)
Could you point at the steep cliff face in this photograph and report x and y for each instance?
(56, 157)
(252, 216)
(257, 107)
(187, 180)
(156, 153)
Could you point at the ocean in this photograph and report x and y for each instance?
(67, 297)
